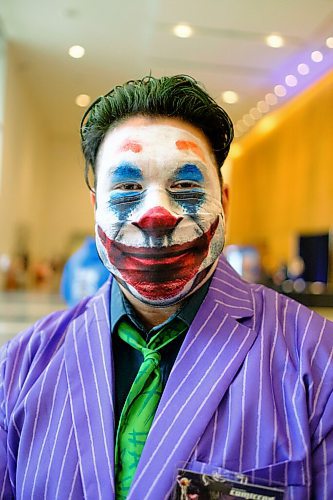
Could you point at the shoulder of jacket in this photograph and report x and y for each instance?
(39, 342)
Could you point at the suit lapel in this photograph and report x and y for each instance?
(211, 355)
(90, 382)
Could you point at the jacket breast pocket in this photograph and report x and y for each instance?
(288, 475)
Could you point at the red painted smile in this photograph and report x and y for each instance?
(158, 273)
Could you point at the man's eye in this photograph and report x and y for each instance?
(128, 186)
(184, 185)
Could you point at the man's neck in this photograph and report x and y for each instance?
(149, 315)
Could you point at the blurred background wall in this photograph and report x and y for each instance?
(43, 200)
(282, 177)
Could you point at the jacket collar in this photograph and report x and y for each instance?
(233, 293)
(88, 362)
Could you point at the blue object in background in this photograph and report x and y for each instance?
(83, 273)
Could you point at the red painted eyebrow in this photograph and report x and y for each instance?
(183, 145)
(130, 145)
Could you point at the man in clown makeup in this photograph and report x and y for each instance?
(176, 363)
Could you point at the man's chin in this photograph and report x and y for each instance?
(161, 294)
(164, 294)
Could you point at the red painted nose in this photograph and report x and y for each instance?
(158, 221)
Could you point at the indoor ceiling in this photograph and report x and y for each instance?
(126, 39)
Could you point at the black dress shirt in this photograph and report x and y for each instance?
(127, 360)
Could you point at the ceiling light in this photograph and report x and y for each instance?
(263, 106)
(244, 124)
(317, 56)
(82, 100)
(255, 113)
(329, 42)
(303, 69)
(280, 90)
(76, 51)
(248, 120)
(275, 41)
(291, 80)
(230, 97)
(241, 126)
(271, 99)
(183, 30)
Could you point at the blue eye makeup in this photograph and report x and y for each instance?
(122, 203)
(126, 172)
(186, 188)
(126, 193)
(188, 172)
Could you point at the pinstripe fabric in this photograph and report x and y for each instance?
(251, 391)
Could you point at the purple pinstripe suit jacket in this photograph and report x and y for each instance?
(251, 391)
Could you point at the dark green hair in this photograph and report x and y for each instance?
(177, 96)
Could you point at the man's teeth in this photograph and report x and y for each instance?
(162, 242)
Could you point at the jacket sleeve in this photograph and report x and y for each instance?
(322, 454)
(22, 360)
(5, 486)
(316, 358)
(12, 371)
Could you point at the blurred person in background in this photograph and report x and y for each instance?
(83, 273)
(16, 274)
(176, 362)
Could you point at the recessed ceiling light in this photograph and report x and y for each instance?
(76, 51)
(82, 100)
(303, 69)
(329, 42)
(317, 56)
(248, 120)
(263, 106)
(241, 126)
(271, 99)
(275, 41)
(183, 30)
(255, 113)
(291, 80)
(245, 125)
(230, 97)
(280, 90)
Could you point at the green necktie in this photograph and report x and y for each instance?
(142, 400)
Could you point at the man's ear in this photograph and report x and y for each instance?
(225, 200)
(93, 199)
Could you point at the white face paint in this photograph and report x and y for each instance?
(159, 217)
